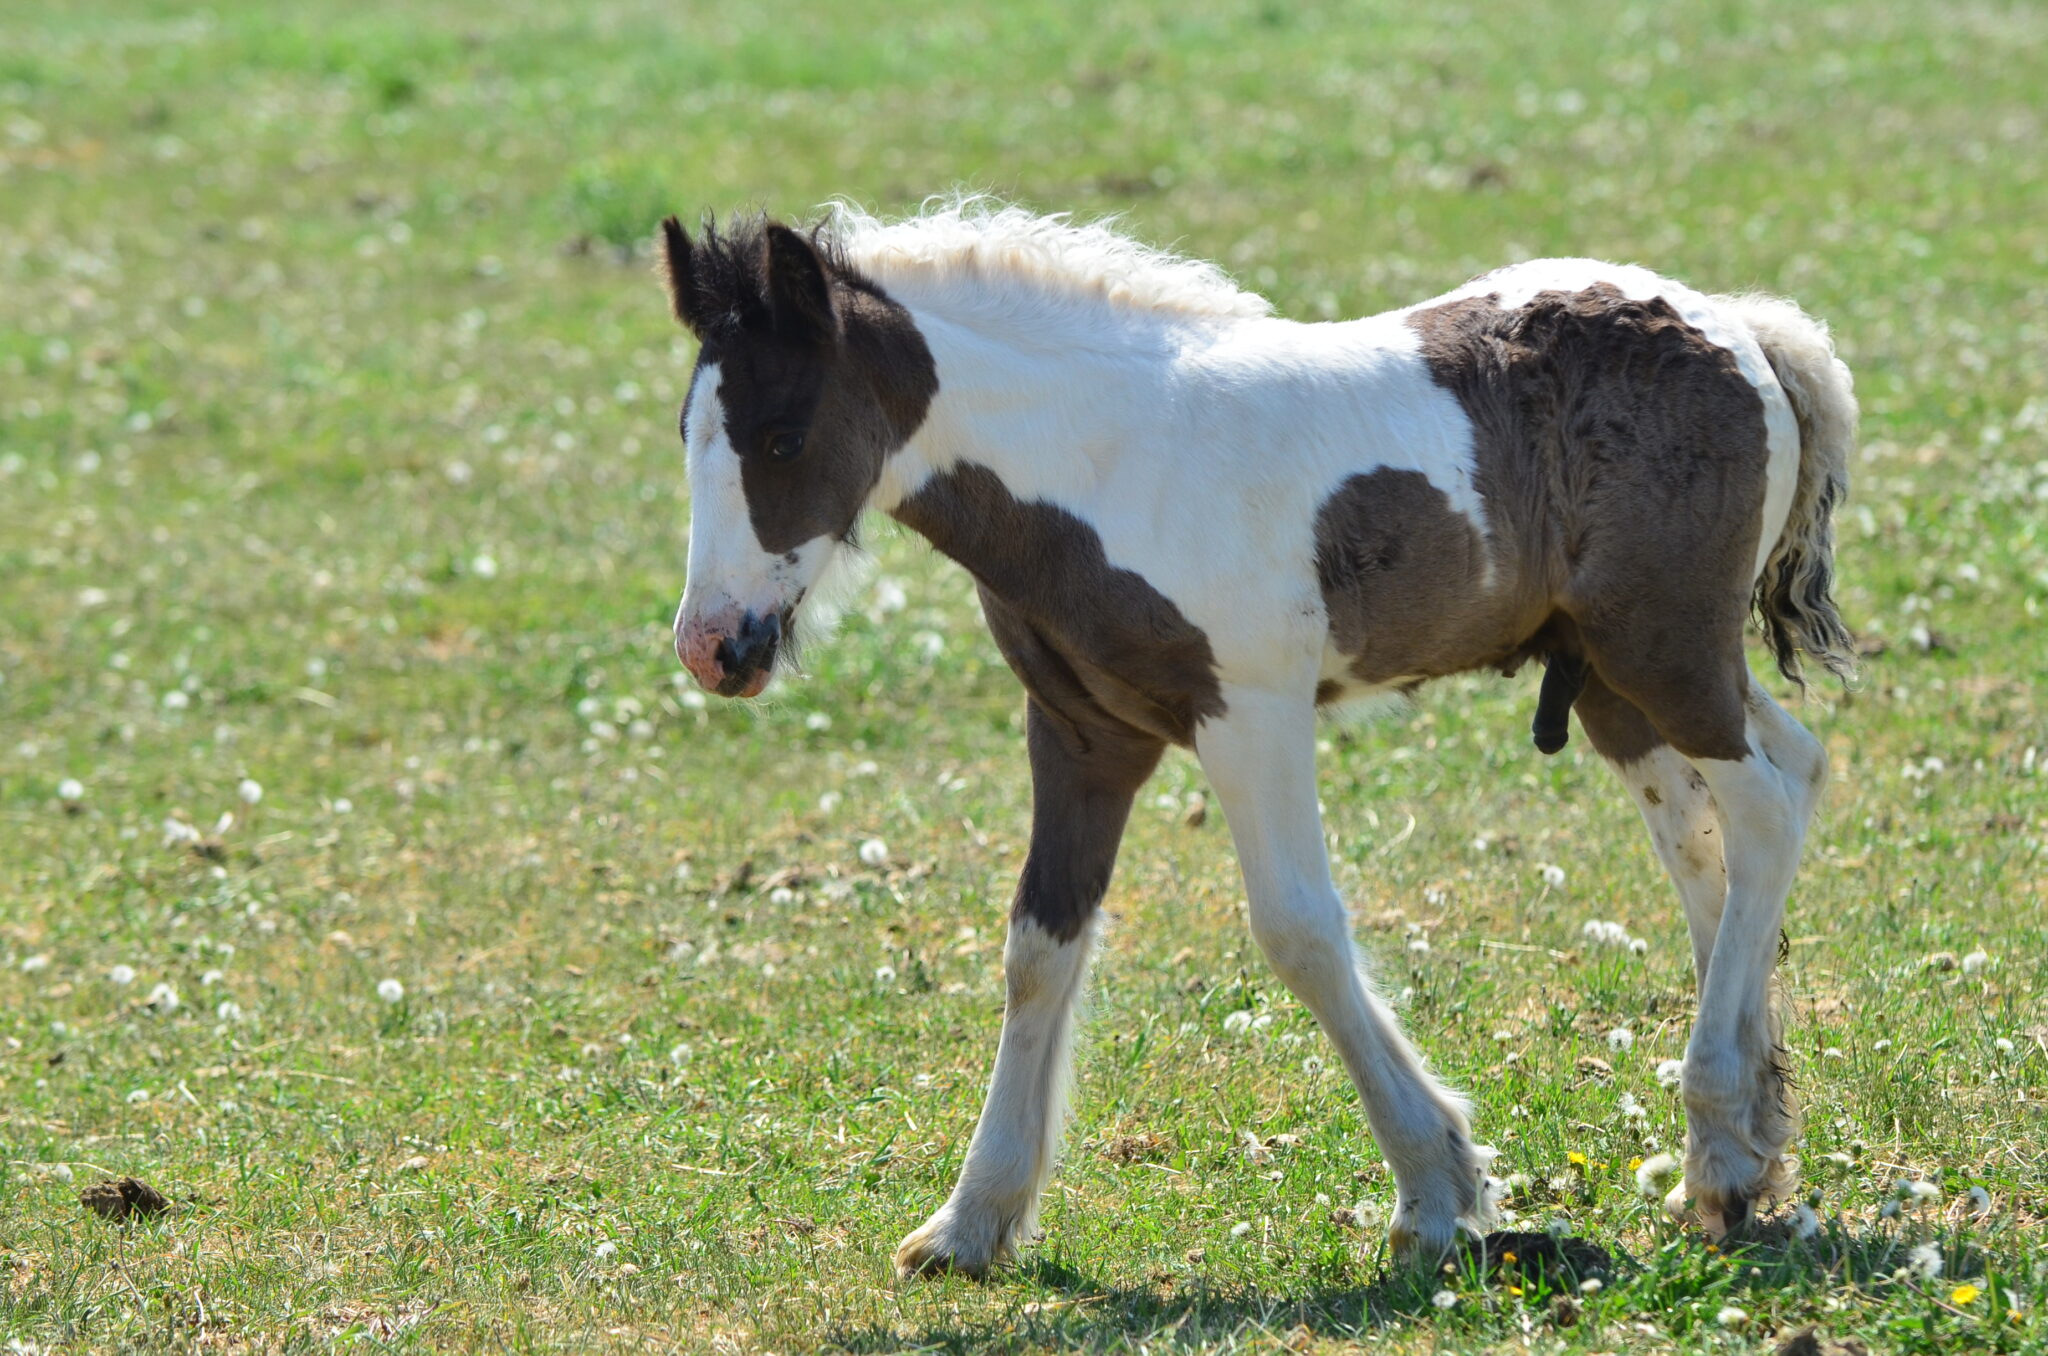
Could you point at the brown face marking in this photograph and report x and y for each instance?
(804, 346)
(1621, 456)
(1095, 644)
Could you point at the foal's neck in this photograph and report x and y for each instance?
(1049, 423)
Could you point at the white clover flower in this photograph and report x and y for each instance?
(121, 974)
(1239, 1022)
(250, 791)
(71, 791)
(1925, 1261)
(1444, 1299)
(1975, 961)
(1240, 1229)
(390, 990)
(163, 1000)
(874, 852)
(1670, 1071)
(1553, 876)
(1731, 1317)
(1653, 1175)
(1621, 1038)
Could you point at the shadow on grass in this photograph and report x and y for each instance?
(1681, 1279)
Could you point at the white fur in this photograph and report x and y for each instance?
(1678, 810)
(1261, 758)
(1016, 1141)
(730, 571)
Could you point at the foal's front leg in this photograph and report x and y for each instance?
(1261, 759)
(1083, 781)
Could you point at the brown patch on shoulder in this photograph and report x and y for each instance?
(1091, 641)
(1327, 691)
(1621, 456)
(1403, 579)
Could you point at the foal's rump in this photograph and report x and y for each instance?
(1651, 459)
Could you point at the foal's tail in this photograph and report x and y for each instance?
(1792, 599)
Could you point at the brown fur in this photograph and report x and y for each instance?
(1612, 438)
(1095, 644)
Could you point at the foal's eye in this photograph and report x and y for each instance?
(787, 445)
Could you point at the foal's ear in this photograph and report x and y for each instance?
(679, 262)
(799, 292)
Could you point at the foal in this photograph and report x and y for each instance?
(1192, 523)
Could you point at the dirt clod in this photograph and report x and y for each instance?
(1530, 1254)
(1809, 1341)
(123, 1198)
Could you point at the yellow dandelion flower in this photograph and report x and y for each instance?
(1963, 1294)
(1634, 1163)
(1575, 1158)
(1509, 1258)
(1514, 1290)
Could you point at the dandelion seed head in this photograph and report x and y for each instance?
(31, 964)
(817, 720)
(390, 990)
(163, 1000)
(2003, 1045)
(1444, 1299)
(1239, 1022)
(138, 1096)
(228, 1011)
(249, 790)
(121, 974)
(885, 974)
(1805, 1222)
(71, 791)
(1975, 961)
(1553, 876)
(1670, 1072)
(605, 1250)
(1621, 1038)
(1240, 1229)
(1591, 1286)
(1655, 1174)
(1980, 1202)
(1731, 1317)
(1924, 1261)
(874, 852)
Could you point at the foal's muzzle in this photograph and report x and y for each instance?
(735, 662)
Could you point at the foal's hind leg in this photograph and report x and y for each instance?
(1083, 781)
(1764, 772)
(1676, 808)
(1261, 759)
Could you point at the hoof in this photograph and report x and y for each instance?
(945, 1243)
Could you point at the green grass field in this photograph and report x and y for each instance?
(338, 455)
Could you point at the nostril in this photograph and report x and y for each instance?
(724, 657)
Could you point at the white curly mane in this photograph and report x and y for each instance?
(975, 256)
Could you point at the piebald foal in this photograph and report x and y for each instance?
(1192, 523)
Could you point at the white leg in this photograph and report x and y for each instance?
(1261, 759)
(1679, 812)
(1016, 1141)
(1083, 778)
(1739, 1111)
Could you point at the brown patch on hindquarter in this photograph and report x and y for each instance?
(1094, 643)
(1621, 457)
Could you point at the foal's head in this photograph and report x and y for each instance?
(807, 378)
